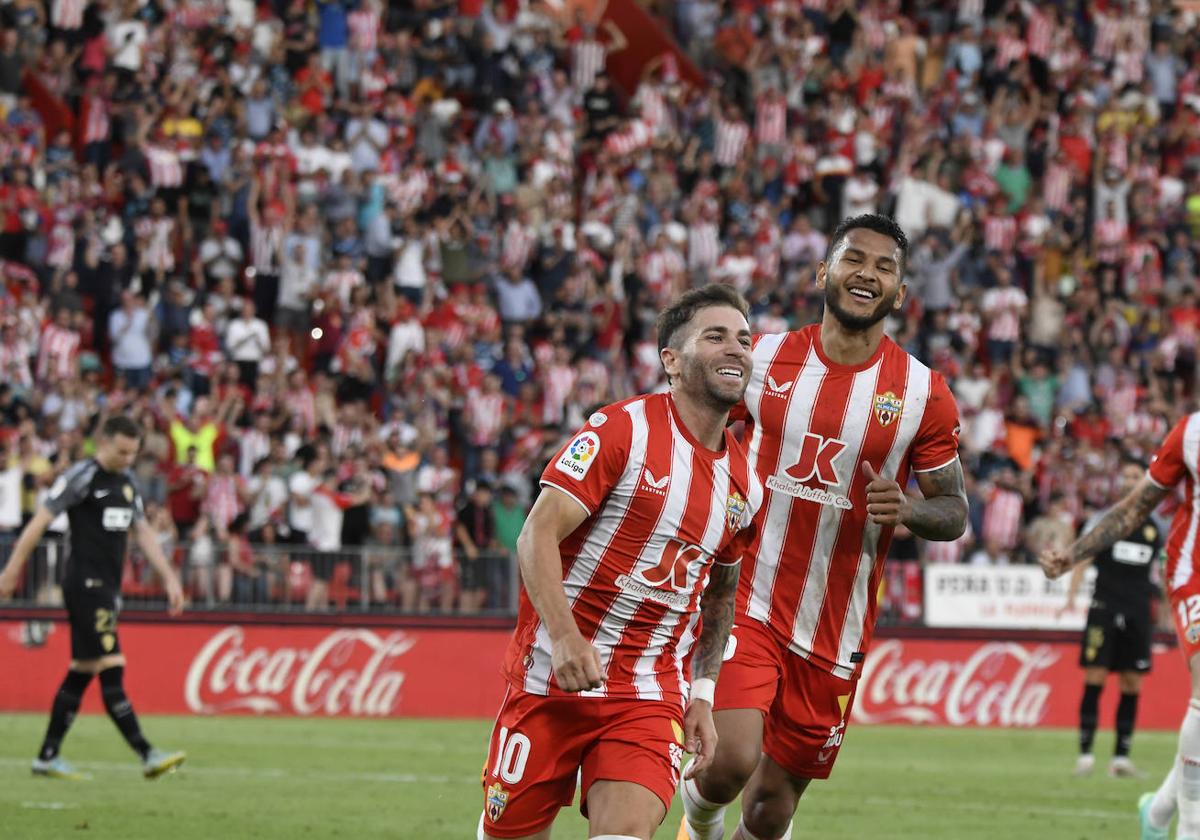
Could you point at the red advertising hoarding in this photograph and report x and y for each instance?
(181, 668)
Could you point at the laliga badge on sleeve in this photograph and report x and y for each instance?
(579, 455)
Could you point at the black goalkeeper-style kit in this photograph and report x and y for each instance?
(1119, 630)
(101, 507)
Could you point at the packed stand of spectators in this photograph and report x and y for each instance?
(359, 268)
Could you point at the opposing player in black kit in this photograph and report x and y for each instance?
(1119, 629)
(102, 505)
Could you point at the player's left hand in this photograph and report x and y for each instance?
(887, 502)
(1055, 562)
(699, 736)
(174, 596)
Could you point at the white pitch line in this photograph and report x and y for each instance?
(272, 773)
(48, 806)
(981, 807)
(417, 778)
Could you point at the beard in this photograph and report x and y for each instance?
(706, 386)
(852, 322)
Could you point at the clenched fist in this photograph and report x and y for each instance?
(887, 502)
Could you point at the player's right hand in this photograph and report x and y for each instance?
(9, 579)
(576, 663)
(174, 596)
(1055, 562)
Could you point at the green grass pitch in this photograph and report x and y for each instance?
(418, 780)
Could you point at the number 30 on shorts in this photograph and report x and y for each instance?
(512, 753)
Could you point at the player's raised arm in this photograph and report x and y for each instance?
(1116, 523)
(31, 535)
(553, 517)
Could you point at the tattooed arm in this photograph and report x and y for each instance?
(1116, 523)
(716, 612)
(941, 515)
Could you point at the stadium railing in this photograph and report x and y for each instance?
(296, 578)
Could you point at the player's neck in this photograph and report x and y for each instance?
(848, 347)
(703, 421)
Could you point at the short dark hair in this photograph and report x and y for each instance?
(685, 307)
(870, 221)
(121, 425)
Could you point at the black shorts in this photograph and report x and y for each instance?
(1117, 639)
(322, 564)
(92, 613)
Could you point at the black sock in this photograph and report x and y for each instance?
(1126, 717)
(120, 710)
(62, 712)
(1088, 713)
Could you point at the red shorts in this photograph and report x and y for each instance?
(1185, 610)
(540, 743)
(804, 706)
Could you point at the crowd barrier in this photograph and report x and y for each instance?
(372, 669)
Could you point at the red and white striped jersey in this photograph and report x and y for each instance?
(1111, 235)
(364, 29)
(56, 352)
(812, 572)
(165, 167)
(587, 60)
(486, 416)
(1002, 518)
(1178, 459)
(1008, 50)
(67, 14)
(730, 141)
(661, 510)
(770, 121)
(1004, 307)
(1056, 186)
(1000, 233)
(97, 126)
(266, 245)
(1039, 31)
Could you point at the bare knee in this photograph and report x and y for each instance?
(1130, 682)
(771, 799)
(732, 767)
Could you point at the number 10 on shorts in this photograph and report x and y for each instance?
(512, 753)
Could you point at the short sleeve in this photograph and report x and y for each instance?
(593, 461)
(936, 444)
(1168, 468)
(731, 553)
(71, 488)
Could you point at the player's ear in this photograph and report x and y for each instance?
(901, 294)
(821, 274)
(669, 357)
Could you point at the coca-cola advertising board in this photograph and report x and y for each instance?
(181, 668)
(1000, 683)
(178, 668)
(1002, 597)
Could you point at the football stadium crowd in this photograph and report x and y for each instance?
(358, 268)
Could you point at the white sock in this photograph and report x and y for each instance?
(744, 833)
(1189, 772)
(705, 820)
(1162, 809)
